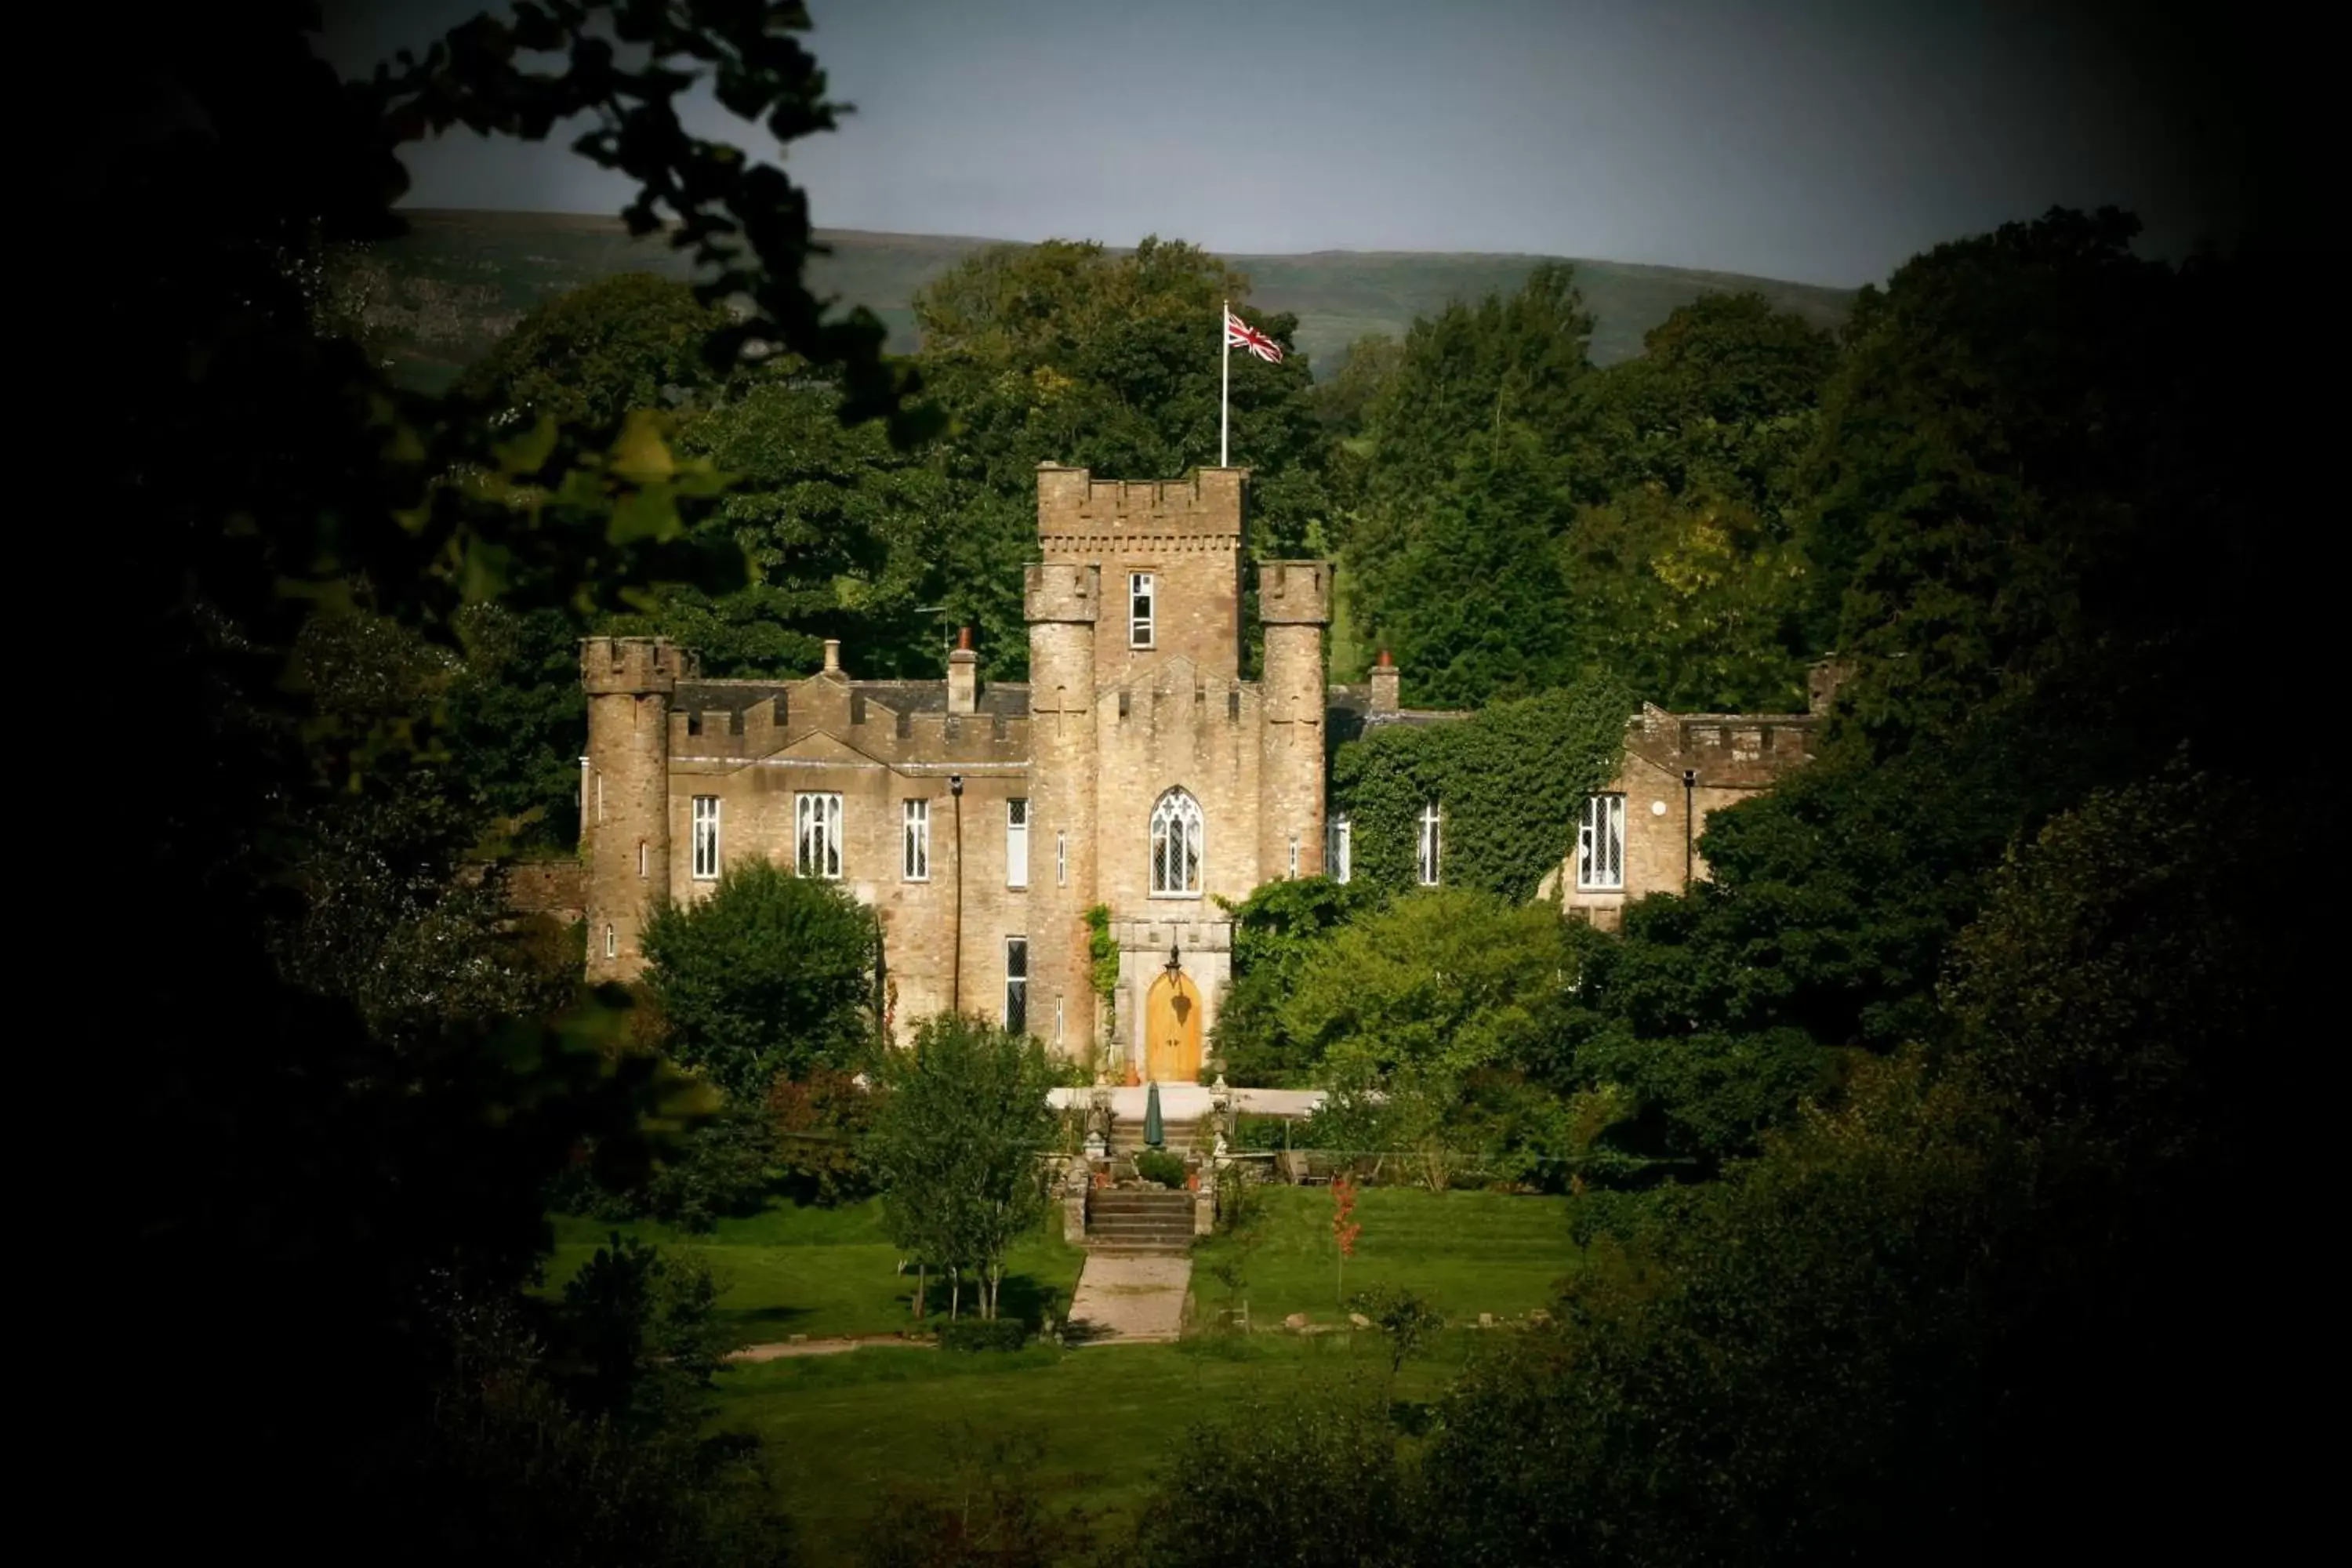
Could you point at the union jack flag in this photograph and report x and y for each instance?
(1240, 334)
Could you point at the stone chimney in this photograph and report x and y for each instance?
(832, 656)
(963, 675)
(1384, 684)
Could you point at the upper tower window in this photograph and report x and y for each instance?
(1142, 602)
(1176, 847)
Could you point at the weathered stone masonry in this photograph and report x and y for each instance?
(1110, 722)
(1119, 715)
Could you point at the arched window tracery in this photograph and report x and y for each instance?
(1177, 846)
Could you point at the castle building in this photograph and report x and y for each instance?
(1135, 771)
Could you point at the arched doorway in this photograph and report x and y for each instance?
(1171, 1023)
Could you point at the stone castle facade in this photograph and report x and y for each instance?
(1135, 771)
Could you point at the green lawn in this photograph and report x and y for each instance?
(1089, 1426)
(1466, 1253)
(818, 1272)
(1093, 1426)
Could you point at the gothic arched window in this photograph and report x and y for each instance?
(1176, 847)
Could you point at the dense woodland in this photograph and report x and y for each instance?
(1930, 1156)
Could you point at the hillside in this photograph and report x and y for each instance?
(442, 293)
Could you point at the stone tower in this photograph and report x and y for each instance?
(1294, 603)
(625, 807)
(1064, 603)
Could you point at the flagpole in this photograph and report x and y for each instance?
(1224, 388)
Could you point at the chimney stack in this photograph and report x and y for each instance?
(832, 656)
(1384, 684)
(963, 675)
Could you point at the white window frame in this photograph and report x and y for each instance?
(1601, 845)
(1016, 984)
(1430, 858)
(915, 840)
(1142, 627)
(1179, 846)
(1339, 855)
(1061, 857)
(1016, 842)
(612, 940)
(1293, 856)
(705, 838)
(817, 835)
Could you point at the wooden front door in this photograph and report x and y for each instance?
(1171, 1023)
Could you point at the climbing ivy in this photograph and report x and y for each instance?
(1103, 948)
(1509, 779)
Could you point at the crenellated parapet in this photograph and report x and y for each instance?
(1294, 592)
(634, 666)
(917, 729)
(1079, 515)
(1066, 593)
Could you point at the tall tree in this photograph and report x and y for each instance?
(398, 1171)
(1449, 552)
(957, 1144)
(1069, 352)
(591, 354)
(845, 534)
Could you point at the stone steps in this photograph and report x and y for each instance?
(1176, 1137)
(1135, 1221)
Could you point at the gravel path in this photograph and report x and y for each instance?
(780, 1348)
(1134, 1300)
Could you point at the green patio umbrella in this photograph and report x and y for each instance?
(1153, 1136)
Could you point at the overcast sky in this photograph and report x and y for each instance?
(1823, 141)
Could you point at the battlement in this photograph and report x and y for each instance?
(892, 722)
(1294, 592)
(1078, 514)
(1736, 750)
(634, 666)
(1063, 591)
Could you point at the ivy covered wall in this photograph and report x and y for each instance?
(1509, 780)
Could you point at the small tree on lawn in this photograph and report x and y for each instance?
(1344, 1227)
(955, 1146)
(771, 974)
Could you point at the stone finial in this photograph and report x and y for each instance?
(832, 656)
(1387, 681)
(963, 675)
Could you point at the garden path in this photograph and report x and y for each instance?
(1129, 1299)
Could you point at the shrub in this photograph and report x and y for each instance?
(983, 1335)
(770, 973)
(1159, 1165)
(727, 1166)
(1407, 1322)
(1301, 1473)
(821, 1122)
(1269, 1132)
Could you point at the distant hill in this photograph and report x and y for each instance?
(445, 291)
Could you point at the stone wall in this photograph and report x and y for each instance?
(1679, 768)
(554, 887)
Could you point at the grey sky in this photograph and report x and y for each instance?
(1823, 141)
